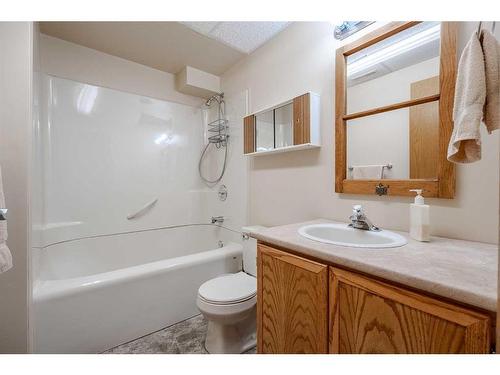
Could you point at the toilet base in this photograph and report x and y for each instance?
(232, 338)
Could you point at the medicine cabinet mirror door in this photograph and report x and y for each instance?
(394, 98)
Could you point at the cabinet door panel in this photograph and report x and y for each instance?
(292, 308)
(369, 316)
(301, 119)
(249, 134)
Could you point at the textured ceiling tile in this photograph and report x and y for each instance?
(243, 36)
(202, 27)
(246, 36)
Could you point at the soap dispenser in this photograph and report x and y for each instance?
(419, 218)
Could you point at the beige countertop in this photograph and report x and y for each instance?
(463, 271)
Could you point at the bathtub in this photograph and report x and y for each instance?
(93, 294)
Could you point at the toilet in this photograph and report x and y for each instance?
(229, 303)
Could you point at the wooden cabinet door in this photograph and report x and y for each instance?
(301, 119)
(368, 316)
(292, 303)
(249, 134)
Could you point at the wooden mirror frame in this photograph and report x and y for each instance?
(443, 186)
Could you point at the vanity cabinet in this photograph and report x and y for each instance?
(305, 306)
(292, 303)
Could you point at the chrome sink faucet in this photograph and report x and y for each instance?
(217, 219)
(360, 221)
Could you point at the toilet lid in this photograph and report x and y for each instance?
(230, 288)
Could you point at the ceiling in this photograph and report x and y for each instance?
(246, 37)
(168, 46)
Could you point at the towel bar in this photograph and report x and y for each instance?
(388, 166)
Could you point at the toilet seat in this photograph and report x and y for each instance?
(228, 289)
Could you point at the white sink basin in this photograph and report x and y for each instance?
(341, 234)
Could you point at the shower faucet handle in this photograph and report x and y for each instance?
(3, 214)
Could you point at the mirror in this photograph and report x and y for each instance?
(283, 125)
(383, 73)
(400, 144)
(264, 131)
(394, 102)
(274, 128)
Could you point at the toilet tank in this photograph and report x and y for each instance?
(250, 251)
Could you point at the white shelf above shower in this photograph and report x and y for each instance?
(288, 126)
(304, 146)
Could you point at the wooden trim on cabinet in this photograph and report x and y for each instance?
(259, 300)
(249, 134)
(301, 119)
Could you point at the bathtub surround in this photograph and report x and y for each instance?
(146, 150)
(74, 62)
(305, 51)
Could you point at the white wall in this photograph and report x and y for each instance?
(384, 138)
(298, 186)
(68, 60)
(16, 46)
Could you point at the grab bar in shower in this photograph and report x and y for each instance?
(142, 210)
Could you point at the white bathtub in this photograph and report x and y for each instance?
(93, 294)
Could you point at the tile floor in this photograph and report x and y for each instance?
(187, 337)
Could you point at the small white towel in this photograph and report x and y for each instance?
(491, 52)
(5, 255)
(367, 172)
(470, 96)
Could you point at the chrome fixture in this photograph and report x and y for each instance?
(384, 167)
(388, 166)
(222, 193)
(3, 214)
(347, 28)
(219, 136)
(360, 221)
(217, 219)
